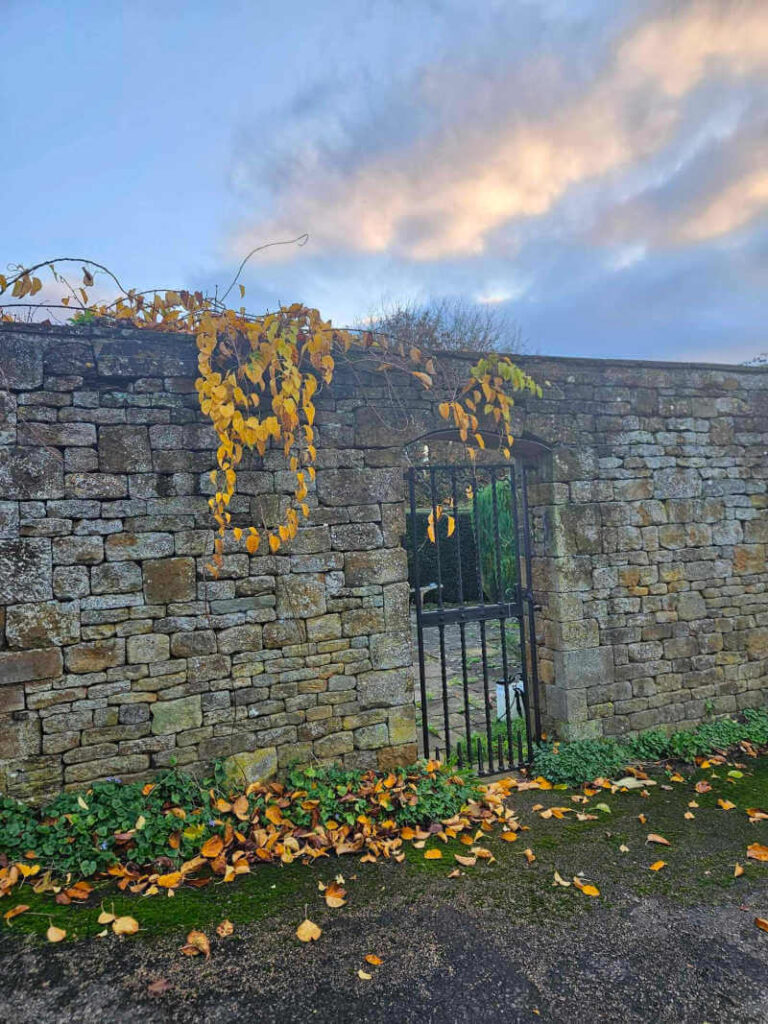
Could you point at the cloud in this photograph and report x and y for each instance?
(489, 156)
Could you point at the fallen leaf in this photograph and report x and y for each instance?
(654, 838)
(738, 870)
(509, 837)
(642, 819)
(371, 958)
(157, 987)
(335, 896)
(105, 917)
(761, 923)
(529, 855)
(433, 854)
(125, 926)
(15, 911)
(170, 881)
(455, 873)
(588, 890)
(212, 847)
(55, 934)
(224, 929)
(308, 931)
(725, 804)
(363, 976)
(757, 852)
(702, 786)
(658, 865)
(689, 815)
(466, 862)
(623, 848)
(197, 941)
(559, 880)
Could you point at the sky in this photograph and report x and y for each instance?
(596, 170)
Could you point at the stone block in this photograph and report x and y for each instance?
(95, 656)
(28, 666)
(57, 434)
(403, 755)
(101, 486)
(22, 361)
(391, 650)
(127, 546)
(124, 449)
(324, 627)
(240, 638)
(19, 738)
(148, 648)
(583, 668)
(334, 745)
(402, 725)
(691, 606)
(356, 537)
(43, 624)
(385, 688)
(340, 487)
(78, 550)
(25, 570)
(366, 568)
(168, 580)
(240, 770)
(11, 699)
(300, 596)
(676, 483)
(70, 582)
(185, 645)
(172, 716)
(31, 473)
(9, 520)
(116, 578)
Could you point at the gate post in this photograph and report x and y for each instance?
(568, 537)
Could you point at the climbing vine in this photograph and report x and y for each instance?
(259, 377)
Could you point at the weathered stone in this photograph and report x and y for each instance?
(396, 757)
(334, 745)
(22, 362)
(116, 578)
(95, 485)
(356, 536)
(170, 579)
(122, 547)
(173, 716)
(95, 656)
(25, 570)
(386, 688)
(359, 486)
(185, 645)
(676, 483)
(70, 581)
(691, 606)
(57, 434)
(26, 666)
(364, 568)
(240, 770)
(43, 624)
(240, 638)
(301, 596)
(19, 738)
(78, 550)
(148, 648)
(31, 473)
(124, 450)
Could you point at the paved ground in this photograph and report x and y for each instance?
(444, 961)
(500, 943)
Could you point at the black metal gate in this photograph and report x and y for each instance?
(470, 573)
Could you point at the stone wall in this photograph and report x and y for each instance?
(119, 654)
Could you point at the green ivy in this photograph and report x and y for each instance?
(584, 760)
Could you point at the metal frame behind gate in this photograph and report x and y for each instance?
(428, 483)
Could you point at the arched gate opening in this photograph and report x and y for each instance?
(472, 603)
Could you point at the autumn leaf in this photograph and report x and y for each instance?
(197, 942)
(105, 917)
(212, 847)
(654, 838)
(588, 890)
(702, 786)
(55, 934)
(363, 976)
(509, 837)
(15, 911)
(371, 958)
(466, 862)
(530, 856)
(433, 854)
(158, 986)
(658, 865)
(761, 923)
(757, 852)
(335, 895)
(738, 870)
(224, 929)
(169, 881)
(559, 880)
(725, 804)
(308, 931)
(125, 926)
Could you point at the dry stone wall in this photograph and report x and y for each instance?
(120, 655)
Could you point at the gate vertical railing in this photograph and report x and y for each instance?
(500, 723)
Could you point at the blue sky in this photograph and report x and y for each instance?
(598, 170)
